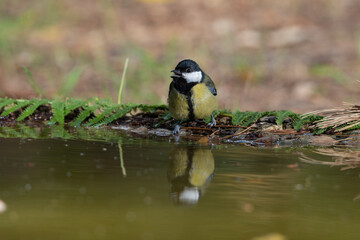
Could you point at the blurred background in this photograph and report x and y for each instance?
(297, 55)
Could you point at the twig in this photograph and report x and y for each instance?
(214, 133)
(229, 126)
(196, 128)
(236, 134)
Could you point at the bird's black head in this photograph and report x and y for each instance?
(187, 66)
(188, 70)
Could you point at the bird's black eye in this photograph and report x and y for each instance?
(188, 70)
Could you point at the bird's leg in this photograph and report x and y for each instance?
(176, 129)
(213, 122)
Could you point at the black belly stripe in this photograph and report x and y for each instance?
(191, 115)
(185, 88)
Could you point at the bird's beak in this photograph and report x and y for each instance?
(177, 74)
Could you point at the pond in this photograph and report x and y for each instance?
(133, 188)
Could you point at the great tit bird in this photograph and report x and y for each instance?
(189, 172)
(192, 93)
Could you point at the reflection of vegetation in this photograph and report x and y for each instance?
(121, 156)
(190, 170)
(346, 158)
(23, 131)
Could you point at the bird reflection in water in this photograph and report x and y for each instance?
(190, 170)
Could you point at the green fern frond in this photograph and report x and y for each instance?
(34, 104)
(165, 117)
(246, 118)
(216, 113)
(5, 102)
(58, 110)
(238, 117)
(85, 113)
(304, 119)
(298, 124)
(17, 105)
(112, 113)
(354, 125)
(106, 112)
(318, 131)
(282, 115)
(102, 102)
(124, 110)
(73, 104)
(252, 117)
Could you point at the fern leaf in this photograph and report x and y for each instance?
(299, 123)
(18, 104)
(252, 117)
(58, 110)
(301, 120)
(105, 113)
(35, 103)
(215, 114)
(102, 103)
(282, 115)
(164, 118)
(5, 102)
(354, 125)
(318, 131)
(237, 117)
(115, 116)
(73, 104)
(83, 115)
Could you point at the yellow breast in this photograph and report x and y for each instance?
(178, 105)
(204, 102)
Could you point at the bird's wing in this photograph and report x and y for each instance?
(210, 84)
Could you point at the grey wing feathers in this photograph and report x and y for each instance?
(210, 84)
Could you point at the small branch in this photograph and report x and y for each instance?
(237, 134)
(214, 133)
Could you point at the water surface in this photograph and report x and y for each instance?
(76, 189)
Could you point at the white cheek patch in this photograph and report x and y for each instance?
(192, 77)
